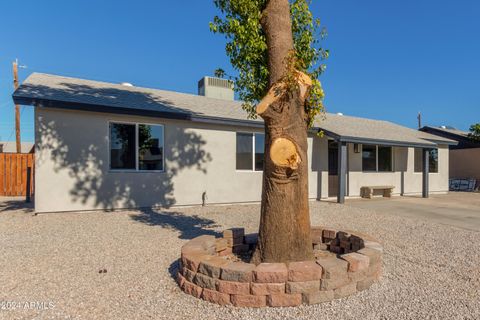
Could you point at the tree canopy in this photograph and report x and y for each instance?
(475, 132)
(247, 49)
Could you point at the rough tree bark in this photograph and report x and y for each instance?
(284, 233)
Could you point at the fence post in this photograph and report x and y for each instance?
(29, 175)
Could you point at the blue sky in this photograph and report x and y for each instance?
(389, 59)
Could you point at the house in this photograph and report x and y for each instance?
(463, 157)
(105, 146)
(11, 147)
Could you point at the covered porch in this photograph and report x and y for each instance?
(371, 153)
(354, 166)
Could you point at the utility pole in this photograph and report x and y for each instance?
(17, 108)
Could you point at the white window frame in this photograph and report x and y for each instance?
(376, 159)
(253, 151)
(110, 122)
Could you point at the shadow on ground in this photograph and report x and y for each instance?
(189, 226)
(174, 268)
(16, 205)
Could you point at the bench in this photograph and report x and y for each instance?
(367, 191)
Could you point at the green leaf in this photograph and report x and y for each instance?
(247, 49)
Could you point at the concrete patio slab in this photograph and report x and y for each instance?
(458, 209)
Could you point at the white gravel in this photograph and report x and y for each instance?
(430, 270)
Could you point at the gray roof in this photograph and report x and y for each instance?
(362, 130)
(46, 88)
(11, 146)
(63, 92)
(450, 130)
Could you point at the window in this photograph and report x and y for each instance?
(369, 158)
(384, 159)
(136, 147)
(122, 146)
(377, 158)
(418, 160)
(259, 151)
(432, 160)
(244, 151)
(150, 147)
(250, 151)
(332, 158)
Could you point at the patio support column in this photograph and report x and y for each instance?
(426, 158)
(342, 171)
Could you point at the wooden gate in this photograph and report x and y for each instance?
(13, 173)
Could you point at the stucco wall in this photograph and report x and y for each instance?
(403, 177)
(438, 182)
(357, 178)
(72, 165)
(464, 163)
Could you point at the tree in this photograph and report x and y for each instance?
(475, 132)
(219, 73)
(273, 46)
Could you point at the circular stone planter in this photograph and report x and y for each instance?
(345, 262)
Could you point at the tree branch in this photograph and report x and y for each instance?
(280, 88)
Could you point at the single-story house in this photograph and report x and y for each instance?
(105, 146)
(463, 157)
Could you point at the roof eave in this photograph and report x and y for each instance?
(386, 142)
(450, 142)
(57, 104)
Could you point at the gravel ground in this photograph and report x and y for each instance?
(431, 271)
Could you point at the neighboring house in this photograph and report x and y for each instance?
(104, 146)
(11, 147)
(464, 156)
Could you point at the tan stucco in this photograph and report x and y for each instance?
(72, 166)
(464, 163)
(403, 177)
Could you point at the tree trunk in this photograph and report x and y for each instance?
(284, 233)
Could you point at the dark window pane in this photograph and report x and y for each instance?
(332, 158)
(384, 158)
(150, 147)
(369, 158)
(433, 161)
(259, 151)
(122, 146)
(418, 161)
(244, 151)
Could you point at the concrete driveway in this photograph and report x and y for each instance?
(458, 209)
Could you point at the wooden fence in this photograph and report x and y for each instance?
(13, 173)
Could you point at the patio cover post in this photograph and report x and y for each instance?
(342, 171)
(426, 159)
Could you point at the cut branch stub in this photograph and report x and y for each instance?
(275, 92)
(279, 88)
(283, 153)
(304, 79)
(304, 82)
